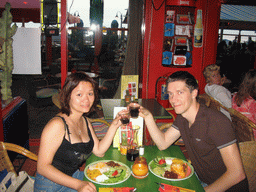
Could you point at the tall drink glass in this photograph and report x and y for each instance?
(133, 148)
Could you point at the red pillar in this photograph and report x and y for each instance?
(64, 43)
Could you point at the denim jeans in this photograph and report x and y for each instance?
(42, 184)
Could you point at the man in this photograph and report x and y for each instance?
(207, 134)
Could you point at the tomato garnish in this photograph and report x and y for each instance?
(115, 173)
(161, 161)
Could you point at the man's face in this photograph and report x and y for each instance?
(180, 97)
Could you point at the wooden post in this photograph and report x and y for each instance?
(1, 123)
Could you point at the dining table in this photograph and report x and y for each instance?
(157, 110)
(151, 182)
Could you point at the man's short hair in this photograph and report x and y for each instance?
(185, 76)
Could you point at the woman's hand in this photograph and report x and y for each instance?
(86, 186)
(117, 120)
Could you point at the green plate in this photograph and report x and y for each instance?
(128, 172)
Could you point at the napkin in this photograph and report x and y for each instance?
(117, 189)
(170, 188)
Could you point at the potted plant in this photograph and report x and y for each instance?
(6, 53)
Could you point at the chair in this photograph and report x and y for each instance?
(210, 102)
(41, 92)
(5, 162)
(248, 154)
(100, 127)
(243, 126)
(204, 99)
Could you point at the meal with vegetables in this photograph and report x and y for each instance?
(107, 172)
(170, 168)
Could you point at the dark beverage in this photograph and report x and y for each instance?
(132, 154)
(134, 111)
(125, 121)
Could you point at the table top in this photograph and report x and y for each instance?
(152, 105)
(149, 183)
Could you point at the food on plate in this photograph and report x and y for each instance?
(174, 169)
(107, 172)
(160, 161)
(112, 164)
(93, 173)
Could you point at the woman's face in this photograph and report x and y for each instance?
(215, 78)
(82, 98)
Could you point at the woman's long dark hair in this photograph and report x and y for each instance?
(70, 84)
(247, 88)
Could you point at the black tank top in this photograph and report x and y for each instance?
(69, 157)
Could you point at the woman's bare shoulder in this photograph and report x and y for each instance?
(55, 124)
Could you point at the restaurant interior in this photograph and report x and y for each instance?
(110, 53)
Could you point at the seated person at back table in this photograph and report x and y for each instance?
(215, 89)
(68, 139)
(207, 134)
(244, 100)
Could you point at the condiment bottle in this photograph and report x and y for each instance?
(140, 167)
(127, 97)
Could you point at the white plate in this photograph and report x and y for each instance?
(128, 172)
(170, 179)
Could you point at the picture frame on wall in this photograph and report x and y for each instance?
(167, 58)
(169, 30)
(168, 44)
(180, 40)
(182, 30)
(179, 60)
(183, 19)
(170, 16)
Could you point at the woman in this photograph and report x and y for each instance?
(68, 139)
(244, 100)
(215, 89)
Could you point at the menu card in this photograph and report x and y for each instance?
(129, 83)
(138, 121)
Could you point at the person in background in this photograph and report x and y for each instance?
(244, 100)
(215, 89)
(207, 134)
(68, 139)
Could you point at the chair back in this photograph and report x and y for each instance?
(204, 99)
(210, 102)
(242, 125)
(248, 154)
(5, 162)
(100, 127)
